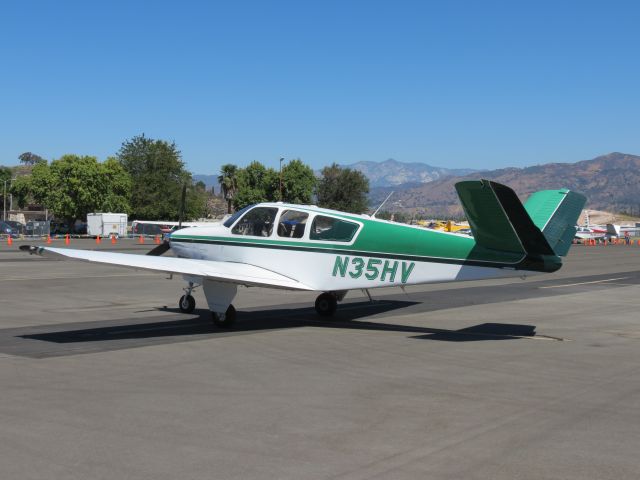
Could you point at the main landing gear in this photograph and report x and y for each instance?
(224, 319)
(327, 302)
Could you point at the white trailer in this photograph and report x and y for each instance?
(107, 224)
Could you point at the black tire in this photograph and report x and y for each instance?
(225, 320)
(187, 304)
(326, 304)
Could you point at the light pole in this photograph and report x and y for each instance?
(281, 160)
(4, 197)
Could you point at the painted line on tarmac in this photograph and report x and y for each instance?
(586, 283)
(58, 277)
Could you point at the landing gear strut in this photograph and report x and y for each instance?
(224, 319)
(187, 303)
(326, 304)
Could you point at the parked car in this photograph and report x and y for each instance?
(6, 229)
(59, 228)
(16, 226)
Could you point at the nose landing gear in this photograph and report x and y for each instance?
(187, 303)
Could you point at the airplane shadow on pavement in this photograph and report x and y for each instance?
(126, 335)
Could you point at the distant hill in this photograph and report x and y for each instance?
(610, 182)
(392, 172)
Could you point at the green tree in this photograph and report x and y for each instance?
(73, 186)
(158, 173)
(34, 187)
(5, 174)
(228, 180)
(255, 184)
(29, 158)
(298, 183)
(117, 195)
(343, 189)
(196, 201)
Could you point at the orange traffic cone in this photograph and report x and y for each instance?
(9, 240)
(113, 240)
(67, 240)
(98, 240)
(140, 239)
(157, 240)
(48, 239)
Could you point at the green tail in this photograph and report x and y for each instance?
(499, 221)
(555, 213)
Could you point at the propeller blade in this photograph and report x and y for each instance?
(159, 250)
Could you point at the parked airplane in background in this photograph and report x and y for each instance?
(303, 247)
(587, 233)
(601, 232)
(621, 230)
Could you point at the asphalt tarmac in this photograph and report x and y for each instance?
(101, 377)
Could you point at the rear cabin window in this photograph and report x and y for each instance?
(292, 224)
(257, 222)
(333, 229)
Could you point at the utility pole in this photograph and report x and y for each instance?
(183, 198)
(281, 160)
(4, 196)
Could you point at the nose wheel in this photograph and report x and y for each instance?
(187, 304)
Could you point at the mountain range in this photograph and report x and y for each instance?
(610, 182)
(392, 172)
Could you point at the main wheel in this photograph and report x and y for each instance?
(326, 304)
(187, 304)
(224, 319)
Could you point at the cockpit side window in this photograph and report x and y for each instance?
(292, 224)
(332, 229)
(257, 222)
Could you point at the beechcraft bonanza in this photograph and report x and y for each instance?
(303, 247)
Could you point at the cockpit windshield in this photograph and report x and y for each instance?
(231, 220)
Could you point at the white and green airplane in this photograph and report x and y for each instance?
(303, 247)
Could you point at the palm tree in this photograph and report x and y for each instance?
(228, 181)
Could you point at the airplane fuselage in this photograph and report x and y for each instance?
(379, 254)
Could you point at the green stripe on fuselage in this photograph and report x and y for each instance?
(383, 239)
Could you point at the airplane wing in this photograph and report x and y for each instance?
(240, 273)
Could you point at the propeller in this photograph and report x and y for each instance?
(160, 249)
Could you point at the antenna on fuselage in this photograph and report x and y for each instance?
(381, 205)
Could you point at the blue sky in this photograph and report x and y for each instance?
(455, 84)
